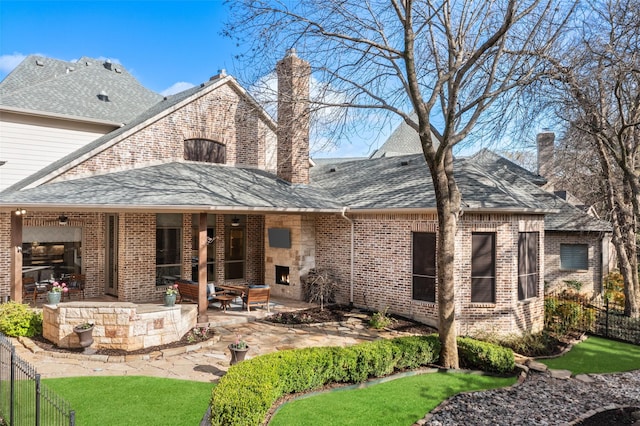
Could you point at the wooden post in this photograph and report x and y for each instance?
(16, 257)
(203, 303)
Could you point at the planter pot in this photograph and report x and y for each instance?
(53, 297)
(85, 335)
(169, 299)
(237, 355)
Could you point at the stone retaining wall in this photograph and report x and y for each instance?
(118, 325)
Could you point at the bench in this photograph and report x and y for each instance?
(256, 296)
(188, 290)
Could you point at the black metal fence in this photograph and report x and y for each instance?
(24, 400)
(570, 311)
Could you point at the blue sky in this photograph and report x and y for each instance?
(161, 43)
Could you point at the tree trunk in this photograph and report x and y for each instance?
(448, 204)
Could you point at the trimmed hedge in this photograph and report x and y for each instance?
(17, 319)
(475, 354)
(249, 389)
(246, 393)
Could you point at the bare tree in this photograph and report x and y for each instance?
(457, 64)
(597, 93)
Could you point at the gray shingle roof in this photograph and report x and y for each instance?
(404, 182)
(403, 140)
(72, 88)
(181, 185)
(156, 109)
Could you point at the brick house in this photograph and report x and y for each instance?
(205, 185)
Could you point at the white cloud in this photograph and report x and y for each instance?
(177, 88)
(9, 62)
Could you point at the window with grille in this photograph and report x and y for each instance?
(168, 248)
(204, 150)
(424, 266)
(574, 257)
(527, 265)
(483, 267)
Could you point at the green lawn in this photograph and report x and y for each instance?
(133, 400)
(398, 402)
(598, 355)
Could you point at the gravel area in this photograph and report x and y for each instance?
(542, 400)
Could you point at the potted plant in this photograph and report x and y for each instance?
(238, 350)
(55, 293)
(85, 333)
(170, 295)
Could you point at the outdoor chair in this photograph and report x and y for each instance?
(76, 285)
(256, 295)
(29, 290)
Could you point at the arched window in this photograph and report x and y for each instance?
(204, 150)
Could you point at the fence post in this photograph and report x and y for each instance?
(606, 317)
(12, 389)
(72, 418)
(38, 394)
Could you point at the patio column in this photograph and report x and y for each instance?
(203, 303)
(16, 257)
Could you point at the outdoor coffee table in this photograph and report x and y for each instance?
(225, 301)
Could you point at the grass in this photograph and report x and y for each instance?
(598, 355)
(133, 400)
(397, 402)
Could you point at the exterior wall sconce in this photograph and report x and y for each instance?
(63, 220)
(235, 221)
(20, 212)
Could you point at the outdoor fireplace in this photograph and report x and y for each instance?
(282, 275)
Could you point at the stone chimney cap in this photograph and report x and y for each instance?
(291, 53)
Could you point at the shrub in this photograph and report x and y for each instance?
(562, 316)
(614, 288)
(246, 393)
(17, 319)
(529, 344)
(485, 356)
(380, 320)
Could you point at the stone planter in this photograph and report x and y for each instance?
(53, 297)
(85, 335)
(169, 300)
(237, 355)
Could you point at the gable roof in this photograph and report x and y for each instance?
(177, 186)
(44, 86)
(404, 140)
(157, 111)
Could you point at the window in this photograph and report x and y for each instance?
(483, 267)
(424, 266)
(574, 257)
(204, 150)
(168, 248)
(234, 247)
(527, 265)
(211, 247)
(49, 252)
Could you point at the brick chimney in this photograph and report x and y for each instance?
(545, 154)
(293, 118)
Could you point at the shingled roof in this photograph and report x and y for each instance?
(178, 186)
(47, 85)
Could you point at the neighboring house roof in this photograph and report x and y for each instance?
(404, 140)
(178, 186)
(405, 183)
(160, 109)
(45, 85)
(491, 160)
(323, 161)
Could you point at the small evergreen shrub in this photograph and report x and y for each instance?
(485, 356)
(17, 319)
(246, 393)
(562, 315)
(614, 289)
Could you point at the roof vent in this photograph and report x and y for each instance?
(103, 96)
(39, 63)
(87, 63)
(70, 69)
(108, 65)
(404, 163)
(331, 170)
(118, 70)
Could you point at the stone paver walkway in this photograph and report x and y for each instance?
(206, 364)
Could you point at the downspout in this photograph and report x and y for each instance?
(344, 210)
